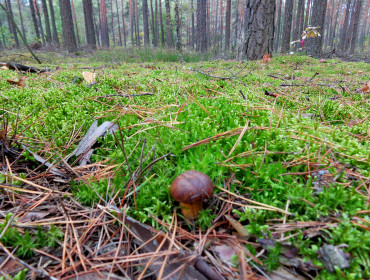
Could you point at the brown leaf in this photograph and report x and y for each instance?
(21, 82)
(267, 58)
(225, 253)
(365, 88)
(270, 93)
(238, 226)
(89, 77)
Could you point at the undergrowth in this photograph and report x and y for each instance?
(319, 124)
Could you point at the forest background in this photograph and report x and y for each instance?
(213, 26)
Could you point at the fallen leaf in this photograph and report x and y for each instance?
(21, 82)
(89, 77)
(322, 60)
(365, 88)
(237, 226)
(225, 253)
(267, 58)
(270, 93)
(333, 256)
(281, 273)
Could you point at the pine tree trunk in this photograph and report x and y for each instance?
(89, 23)
(157, 23)
(178, 26)
(69, 39)
(161, 22)
(334, 32)
(154, 32)
(222, 22)
(364, 26)
(123, 25)
(112, 23)
(137, 27)
(119, 25)
(236, 23)
(278, 24)
(2, 34)
(307, 17)
(75, 23)
(34, 20)
(146, 22)
(297, 26)
(47, 22)
(21, 17)
(345, 26)
(104, 25)
(227, 27)
(131, 21)
(357, 15)
(285, 44)
(202, 25)
(169, 33)
(53, 24)
(38, 17)
(215, 28)
(314, 45)
(192, 24)
(258, 37)
(11, 25)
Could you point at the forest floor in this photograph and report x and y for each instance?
(90, 147)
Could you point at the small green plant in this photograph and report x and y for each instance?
(204, 221)
(28, 241)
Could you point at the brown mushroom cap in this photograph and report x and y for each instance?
(192, 187)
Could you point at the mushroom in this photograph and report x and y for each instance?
(191, 188)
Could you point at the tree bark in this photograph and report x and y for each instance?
(53, 25)
(307, 16)
(131, 14)
(345, 26)
(299, 19)
(21, 17)
(161, 22)
(227, 27)
(258, 34)
(178, 26)
(314, 45)
(288, 11)
(103, 24)
(112, 23)
(192, 25)
(11, 25)
(169, 33)
(278, 24)
(123, 24)
(47, 22)
(364, 26)
(202, 25)
(137, 26)
(236, 23)
(34, 20)
(357, 15)
(146, 22)
(2, 34)
(69, 39)
(38, 17)
(119, 25)
(154, 32)
(89, 23)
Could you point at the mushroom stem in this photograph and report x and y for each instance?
(191, 210)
